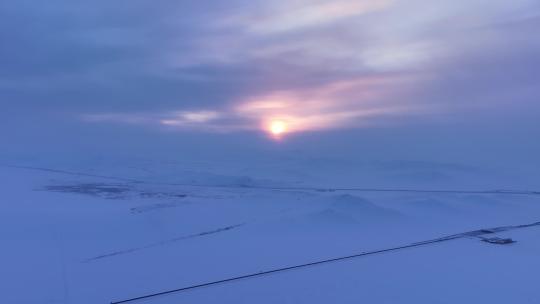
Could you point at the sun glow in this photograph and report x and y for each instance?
(277, 127)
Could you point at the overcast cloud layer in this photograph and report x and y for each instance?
(201, 68)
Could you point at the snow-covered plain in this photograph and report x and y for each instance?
(102, 233)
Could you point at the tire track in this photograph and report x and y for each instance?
(317, 189)
(474, 233)
(161, 243)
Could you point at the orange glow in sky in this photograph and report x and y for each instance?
(277, 127)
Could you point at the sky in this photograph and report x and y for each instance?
(406, 79)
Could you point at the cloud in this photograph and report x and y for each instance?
(227, 66)
(193, 118)
(280, 16)
(348, 103)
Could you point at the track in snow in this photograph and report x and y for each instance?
(161, 243)
(475, 233)
(318, 189)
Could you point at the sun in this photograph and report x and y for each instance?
(277, 127)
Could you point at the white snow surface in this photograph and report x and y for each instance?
(102, 233)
